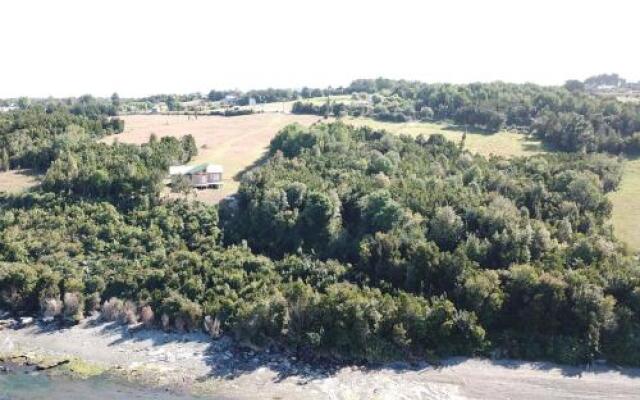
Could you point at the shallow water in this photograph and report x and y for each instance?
(26, 385)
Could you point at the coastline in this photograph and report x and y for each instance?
(194, 363)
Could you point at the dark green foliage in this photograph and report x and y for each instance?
(118, 171)
(34, 137)
(482, 236)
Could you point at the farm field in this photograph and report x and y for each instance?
(503, 143)
(17, 180)
(626, 206)
(234, 142)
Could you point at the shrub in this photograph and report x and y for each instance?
(113, 309)
(73, 306)
(51, 308)
(147, 316)
(129, 313)
(212, 326)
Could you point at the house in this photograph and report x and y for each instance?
(158, 108)
(229, 100)
(201, 176)
(8, 108)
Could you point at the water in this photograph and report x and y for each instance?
(27, 385)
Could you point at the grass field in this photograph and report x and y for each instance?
(503, 143)
(626, 206)
(18, 180)
(234, 142)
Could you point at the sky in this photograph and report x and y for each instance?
(136, 47)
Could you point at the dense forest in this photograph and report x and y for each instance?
(514, 254)
(36, 135)
(347, 243)
(568, 118)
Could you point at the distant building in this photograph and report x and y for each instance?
(252, 101)
(8, 108)
(159, 108)
(229, 100)
(201, 176)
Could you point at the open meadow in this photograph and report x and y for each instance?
(17, 180)
(503, 143)
(233, 142)
(626, 206)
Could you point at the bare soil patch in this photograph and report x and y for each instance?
(18, 180)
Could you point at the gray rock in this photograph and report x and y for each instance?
(8, 323)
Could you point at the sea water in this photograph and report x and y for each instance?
(29, 385)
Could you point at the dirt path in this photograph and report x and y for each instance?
(194, 362)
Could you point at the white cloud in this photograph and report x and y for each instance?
(65, 48)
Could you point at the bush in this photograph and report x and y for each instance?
(73, 306)
(129, 313)
(212, 326)
(113, 310)
(51, 308)
(147, 317)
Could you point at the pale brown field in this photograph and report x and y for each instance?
(17, 180)
(234, 142)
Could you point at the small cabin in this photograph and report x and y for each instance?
(201, 176)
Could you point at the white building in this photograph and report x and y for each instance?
(201, 175)
(229, 100)
(8, 108)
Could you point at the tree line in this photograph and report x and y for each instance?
(567, 118)
(35, 136)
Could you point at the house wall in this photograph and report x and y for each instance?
(214, 177)
(199, 179)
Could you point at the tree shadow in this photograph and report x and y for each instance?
(474, 130)
(227, 359)
(257, 163)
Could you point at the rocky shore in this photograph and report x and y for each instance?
(194, 363)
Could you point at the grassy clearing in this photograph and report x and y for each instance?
(18, 180)
(503, 143)
(626, 206)
(234, 142)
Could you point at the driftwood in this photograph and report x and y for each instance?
(52, 364)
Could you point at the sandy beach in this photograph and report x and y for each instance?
(195, 363)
